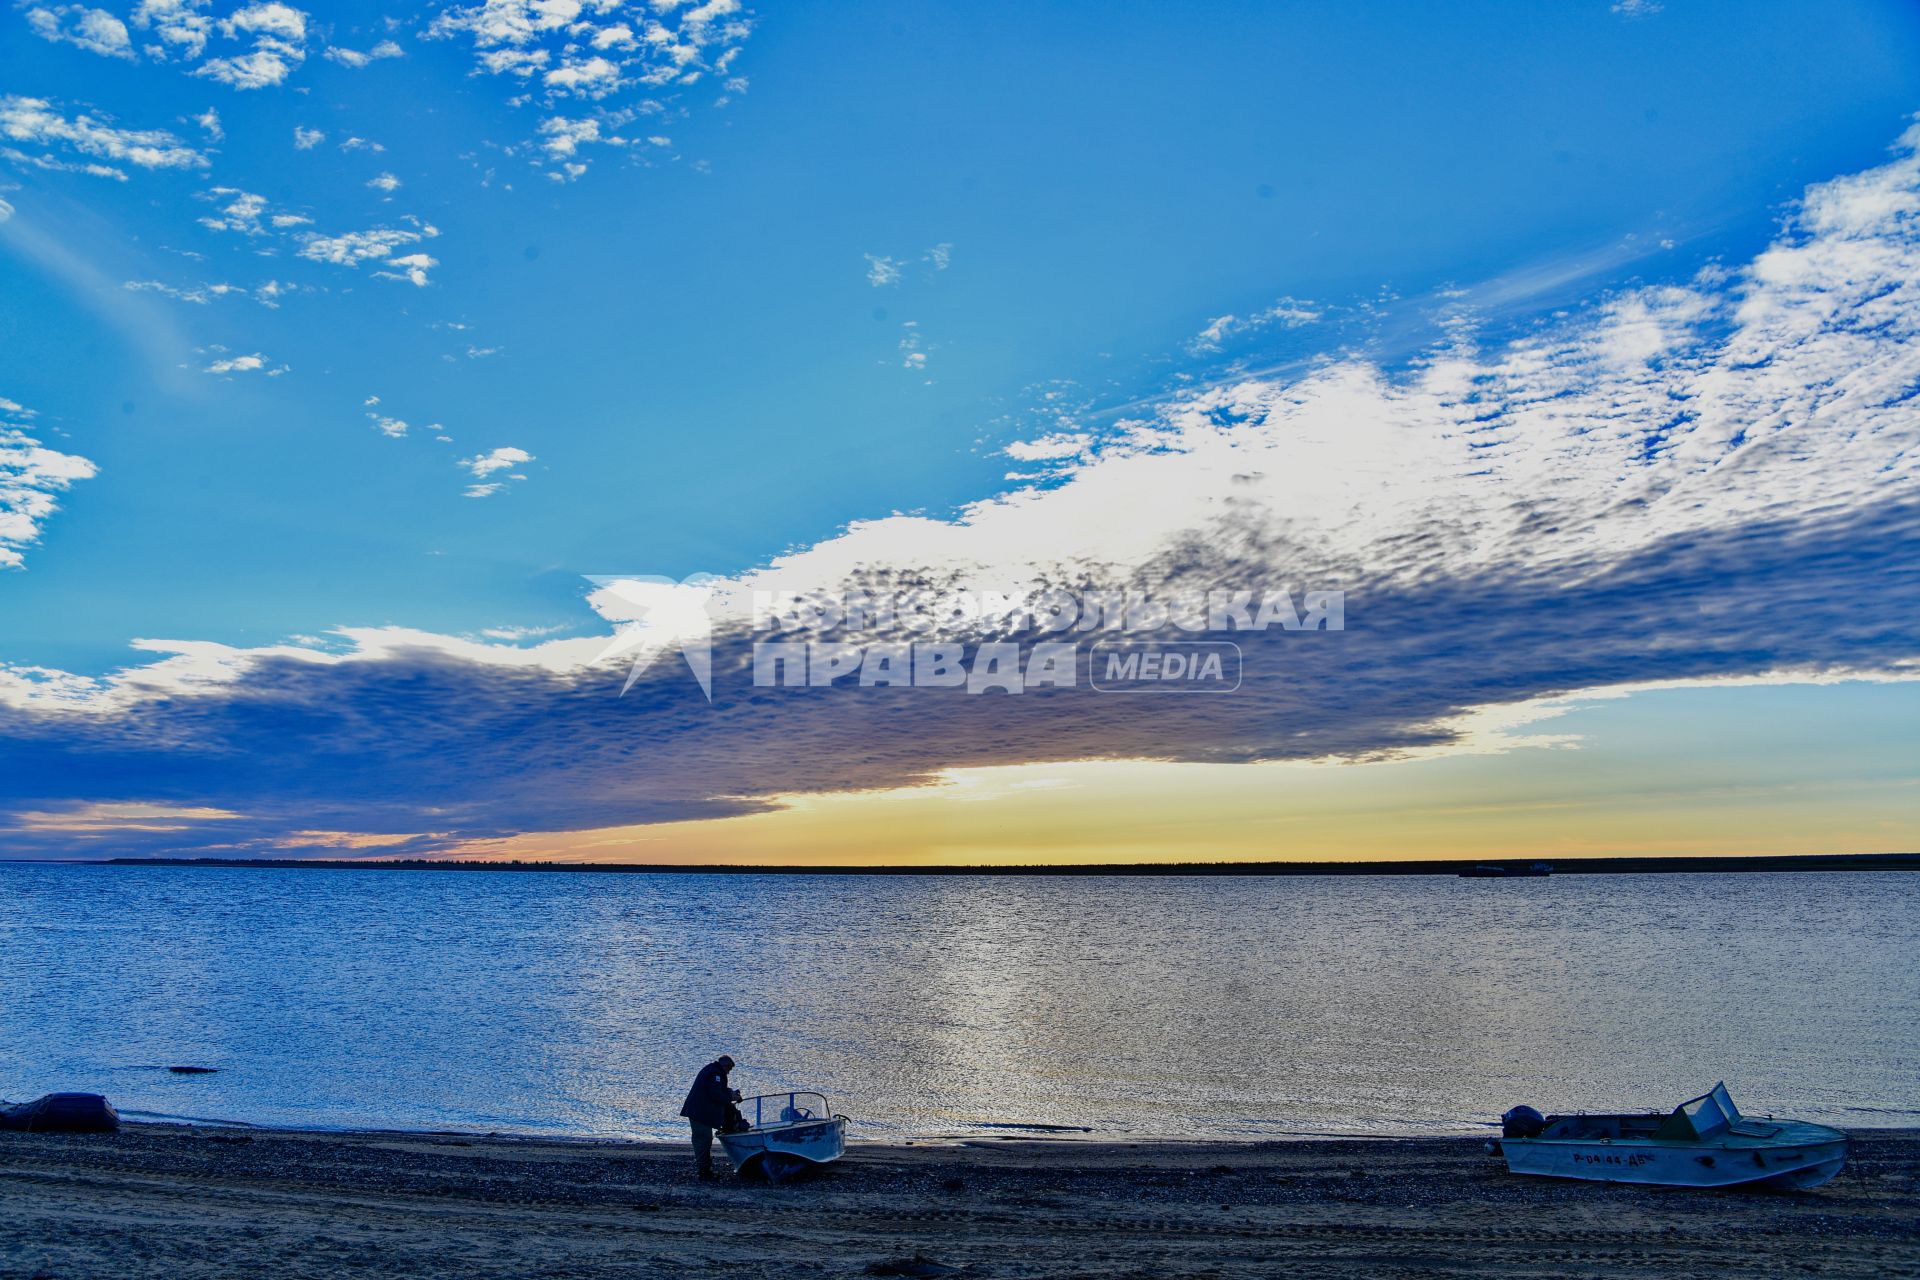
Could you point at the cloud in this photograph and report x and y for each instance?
(486, 464)
(412, 268)
(198, 294)
(209, 122)
(632, 62)
(563, 137)
(32, 477)
(1637, 8)
(885, 270)
(267, 294)
(305, 139)
(1703, 481)
(94, 30)
(354, 247)
(245, 364)
(38, 122)
(1051, 448)
(1287, 313)
(242, 211)
(355, 60)
(585, 77)
(178, 24)
(6, 211)
(385, 182)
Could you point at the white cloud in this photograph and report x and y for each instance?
(883, 269)
(305, 139)
(563, 136)
(1050, 448)
(586, 78)
(267, 295)
(94, 30)
(278, 33)
(412, 268)
(392, 428)
(269, 20)
(209, 122)
(1287, 313)
(32, 477)
(385, 182)
(260, 69)
(241, 213)
(6, 211)
(355, 59)
(245, 364)
(1637, 8)
(566, 49)
(504, 459)
(36, 122)
(178, 24)
(355, 247)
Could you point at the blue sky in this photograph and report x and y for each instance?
(839, 258)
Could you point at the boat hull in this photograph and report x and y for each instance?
(1786, 1166)
(784, 1150)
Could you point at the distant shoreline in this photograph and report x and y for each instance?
(1422, 867)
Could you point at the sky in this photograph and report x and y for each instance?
(352, 359)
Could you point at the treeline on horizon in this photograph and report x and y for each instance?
(1570, 866)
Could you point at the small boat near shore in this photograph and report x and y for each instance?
(785, 1133)
(1703, 1142)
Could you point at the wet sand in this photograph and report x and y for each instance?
(160, 1200)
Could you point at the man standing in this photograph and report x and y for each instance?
(706, 1110)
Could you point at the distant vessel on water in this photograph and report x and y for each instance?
(1503, 871)
(1703, 1142)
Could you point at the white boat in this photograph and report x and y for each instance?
(785, 1133)
(1703, 1142)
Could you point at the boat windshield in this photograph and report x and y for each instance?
(1702, 1117)
(771, 1110)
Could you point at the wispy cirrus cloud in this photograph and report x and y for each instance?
(1709, 480)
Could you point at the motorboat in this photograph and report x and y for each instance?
(784, 1134)
(1703, 1142)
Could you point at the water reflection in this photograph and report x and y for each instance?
(1230, 1006)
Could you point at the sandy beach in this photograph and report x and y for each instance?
(160, 1200)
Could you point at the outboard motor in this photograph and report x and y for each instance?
(1522, 1122)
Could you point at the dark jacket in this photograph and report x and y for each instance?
(707, 1101)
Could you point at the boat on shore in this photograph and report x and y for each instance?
(785, 1134)
(1703, 1142)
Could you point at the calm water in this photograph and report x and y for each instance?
(1205, 1006)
